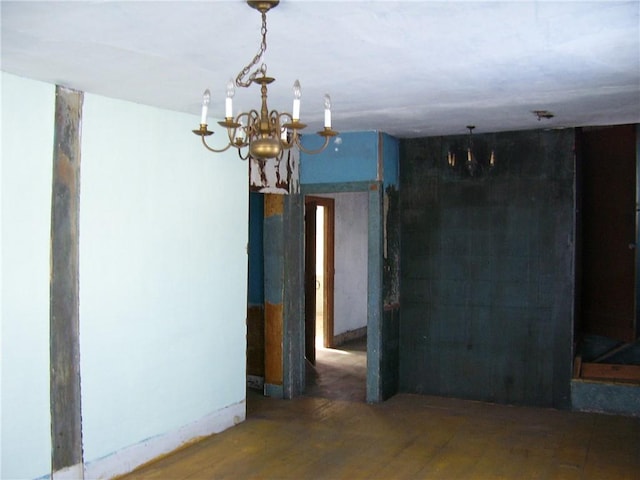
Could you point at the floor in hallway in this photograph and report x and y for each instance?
(339, 373)
(315, 436)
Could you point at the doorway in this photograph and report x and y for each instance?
(607, 181)
(336, 296)
(607, 268)
(319, 274)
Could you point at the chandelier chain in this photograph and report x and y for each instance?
(256, 59)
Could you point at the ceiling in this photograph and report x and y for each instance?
(408, 68)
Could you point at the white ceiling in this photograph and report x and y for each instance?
(408, 68)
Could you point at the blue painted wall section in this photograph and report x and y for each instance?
(353, 159)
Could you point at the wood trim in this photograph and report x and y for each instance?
(577, 366)
(610, 371)
(329, 269)
(310, 279)
(328, 204)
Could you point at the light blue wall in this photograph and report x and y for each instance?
(355, 159)
(163, 275)
(27, 149)
(350, 272)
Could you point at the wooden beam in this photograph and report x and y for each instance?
(66, 427)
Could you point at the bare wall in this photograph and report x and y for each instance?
(487, 269)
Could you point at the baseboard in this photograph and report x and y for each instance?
(130, 458)
(605, 397)
(275, 391)
(350, 335)
(255, 382)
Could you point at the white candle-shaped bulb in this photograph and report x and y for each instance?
(297, 93)
(240, 132)
(206, 98)
(327, 111)
(228, 104)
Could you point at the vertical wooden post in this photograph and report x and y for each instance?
(293, 363)
(66, 427)
(374, 295)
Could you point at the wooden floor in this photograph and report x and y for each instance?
(406, 437)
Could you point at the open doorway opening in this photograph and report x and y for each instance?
(321, 295)
(336, 236)
(318, 273)
(607, 268)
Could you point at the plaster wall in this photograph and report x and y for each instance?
(350, 281)
(163, 276)
(27, 147)
(351, 157)
(163, 283)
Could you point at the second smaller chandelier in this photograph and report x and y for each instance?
(472, 164)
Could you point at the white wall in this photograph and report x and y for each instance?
(351, 245)
(27, 149)
(163, 275)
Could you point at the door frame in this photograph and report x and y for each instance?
(374, 281)
(328, 265)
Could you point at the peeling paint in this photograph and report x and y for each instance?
(275, 175)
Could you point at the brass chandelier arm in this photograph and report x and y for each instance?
(312, 152)
(240, 154)
(204, 142)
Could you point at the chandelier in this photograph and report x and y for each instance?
(473, 165)
(263, 133)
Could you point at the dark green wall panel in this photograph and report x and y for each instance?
(487, 269)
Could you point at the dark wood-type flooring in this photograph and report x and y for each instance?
(331, 433)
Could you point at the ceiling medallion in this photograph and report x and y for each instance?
(546, 114)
